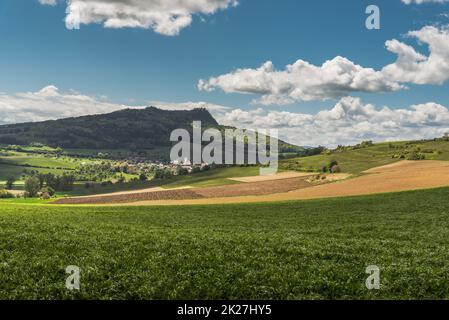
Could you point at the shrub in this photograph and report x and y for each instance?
(336, 169)
(45, 196)
(332, 164)
(50, 191)
(416, 156)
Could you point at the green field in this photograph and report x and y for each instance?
(295, 250)
(216, 177)
(39, 162)
(16, 163)
(356, 161)
(7, 171)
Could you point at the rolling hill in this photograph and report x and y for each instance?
(125, 129)
(129, 129)
(357, 159)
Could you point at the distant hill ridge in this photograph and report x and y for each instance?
(130, 129)
(124, 129)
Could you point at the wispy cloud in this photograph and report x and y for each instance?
(50, 103)
(423, 1)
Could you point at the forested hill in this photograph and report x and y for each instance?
(125, 129)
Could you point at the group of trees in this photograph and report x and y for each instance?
(164, 173)
(47, 184)
(95, 171)
(362, 145)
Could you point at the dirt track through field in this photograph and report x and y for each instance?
(400, 176)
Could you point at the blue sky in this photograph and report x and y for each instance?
(135, 66)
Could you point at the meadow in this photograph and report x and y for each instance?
(288, 250)
(216, 177)
(356, 161)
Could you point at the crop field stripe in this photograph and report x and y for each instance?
(295, 250)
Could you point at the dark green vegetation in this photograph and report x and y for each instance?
(145, 131)
(296, 250)
(127, 129)
(98, 176)
(363, 157)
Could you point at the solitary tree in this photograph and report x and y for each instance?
(32, 186)
(10, 183)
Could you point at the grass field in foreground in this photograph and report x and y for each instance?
(296, 250)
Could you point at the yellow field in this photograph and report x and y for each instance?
(401, 176)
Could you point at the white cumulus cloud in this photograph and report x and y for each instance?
(349, 121)
(414, 67)
(167, 17)
(302, 81)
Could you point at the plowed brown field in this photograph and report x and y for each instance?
(247, 189)
(400, 176)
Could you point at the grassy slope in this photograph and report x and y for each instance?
(13, 164)
(7, 171)
(315, 249)
(211, 178)
(356, 161)
(39, 161)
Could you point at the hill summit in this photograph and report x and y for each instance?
(125, 129)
